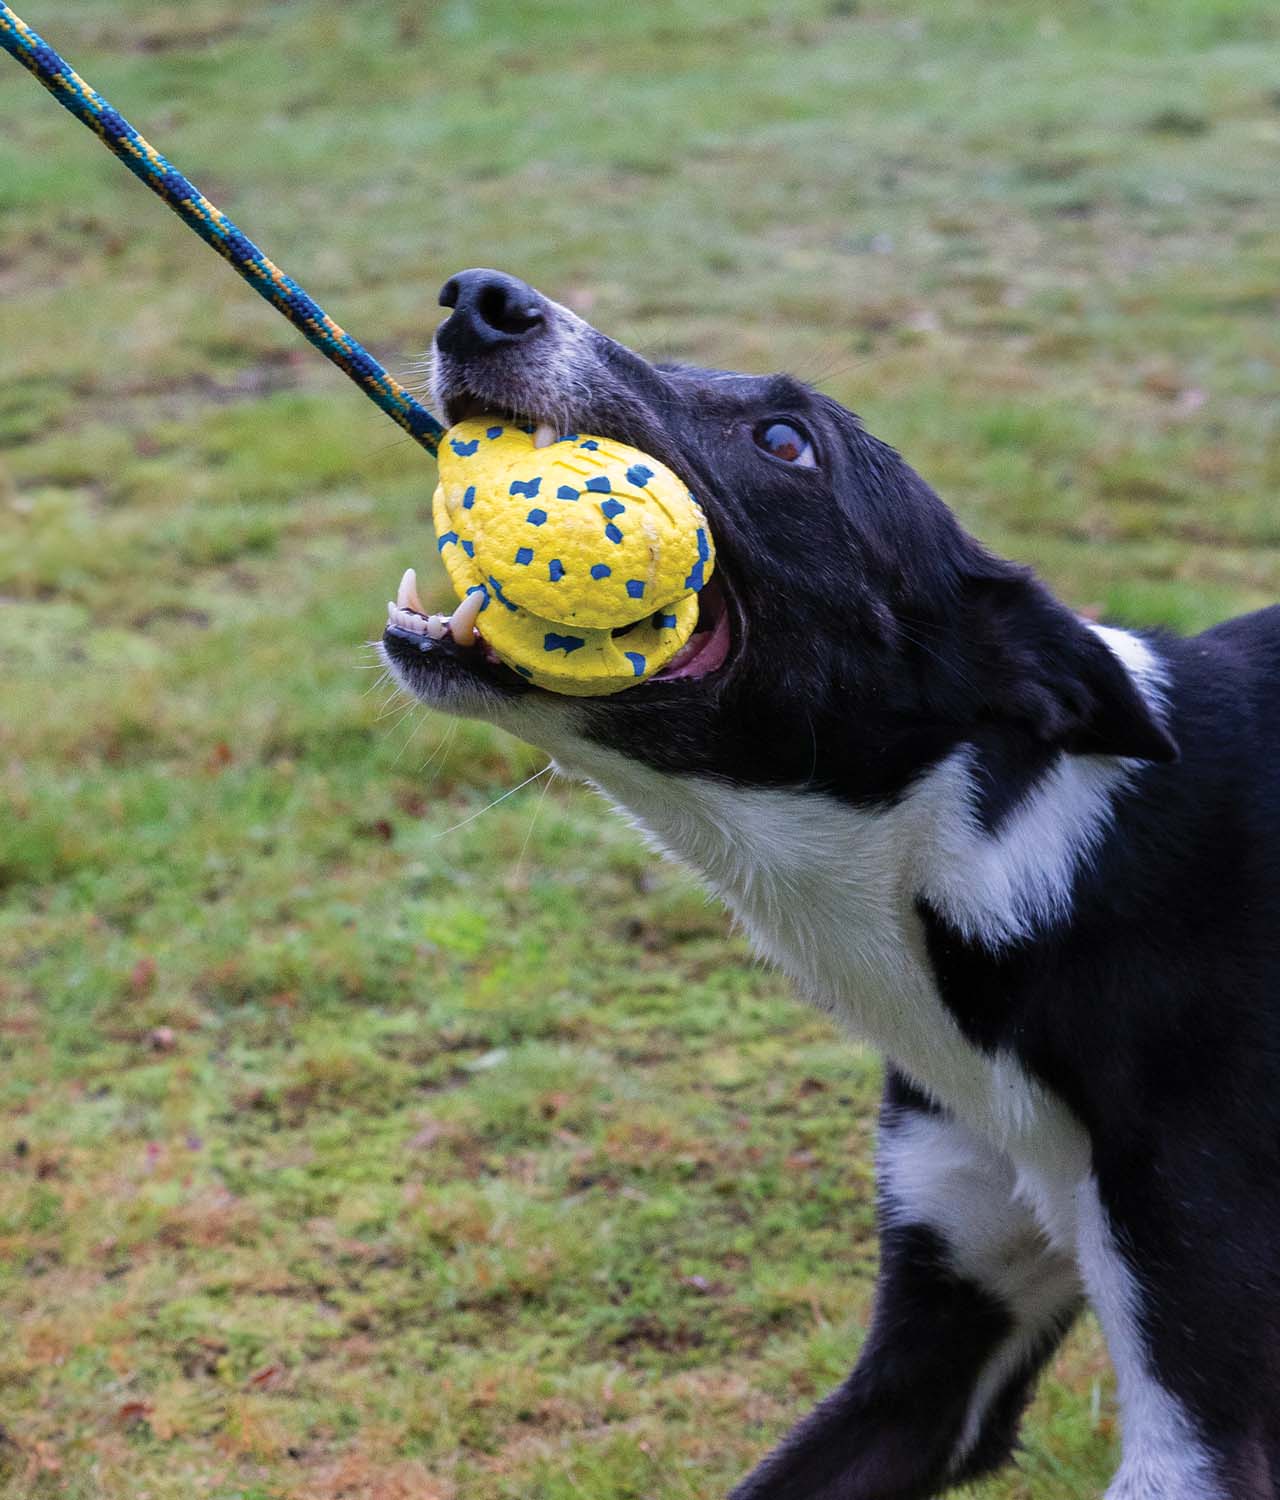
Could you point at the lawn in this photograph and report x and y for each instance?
(363, 1137)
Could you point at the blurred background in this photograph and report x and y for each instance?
(360, 1138)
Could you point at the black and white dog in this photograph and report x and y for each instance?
(1035, 861)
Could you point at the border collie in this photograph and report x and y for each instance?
(1035, 861)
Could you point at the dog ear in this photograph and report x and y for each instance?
(1039, 665)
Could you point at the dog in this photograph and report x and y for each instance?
(1034, 860)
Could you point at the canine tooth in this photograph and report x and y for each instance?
(463, 621)
(437, 627)
(407, 594)
(544, 435)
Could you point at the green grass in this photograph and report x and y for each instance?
(356, 1144)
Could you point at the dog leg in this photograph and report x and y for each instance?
(970, 1303)
(1190, 1338)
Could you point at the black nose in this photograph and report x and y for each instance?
(490, 310)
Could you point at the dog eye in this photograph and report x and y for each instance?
(785, 440)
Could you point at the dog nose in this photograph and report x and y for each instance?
(490, 310)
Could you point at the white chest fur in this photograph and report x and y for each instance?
(827, 891)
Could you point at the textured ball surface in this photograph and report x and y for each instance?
(590, 553)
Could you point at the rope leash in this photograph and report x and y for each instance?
(214, 228)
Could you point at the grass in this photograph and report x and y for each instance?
(358, 1142)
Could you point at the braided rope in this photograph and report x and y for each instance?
(214, 228)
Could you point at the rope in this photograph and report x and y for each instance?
(214, 228)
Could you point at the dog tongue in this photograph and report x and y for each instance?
(703, 652)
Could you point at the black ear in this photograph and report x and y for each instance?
(1040, 666)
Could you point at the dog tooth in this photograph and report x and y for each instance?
(437, 627)
(402, 619)
(544, 435)
(407, 594)
(462, 623)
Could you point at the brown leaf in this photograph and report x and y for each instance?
(142, 977)
(41, 1459)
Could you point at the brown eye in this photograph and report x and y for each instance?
(785, 440)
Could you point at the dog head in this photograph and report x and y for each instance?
(853, 633)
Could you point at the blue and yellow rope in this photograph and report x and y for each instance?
(214, 228)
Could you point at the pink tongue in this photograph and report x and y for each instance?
(703, 652)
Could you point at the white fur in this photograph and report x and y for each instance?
(936, 1172)
(1140, 661)
(827, 891)
(996, 890)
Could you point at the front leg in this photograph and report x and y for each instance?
(970, 1303)
(1178, 1249)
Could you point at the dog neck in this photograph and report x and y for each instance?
(831, 891)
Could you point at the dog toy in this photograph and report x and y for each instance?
(214, 228)
(589, 554)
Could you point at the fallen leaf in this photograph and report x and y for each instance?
(142, 977)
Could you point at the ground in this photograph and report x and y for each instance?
(358, 1141)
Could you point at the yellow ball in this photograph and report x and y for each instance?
(590, 553)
